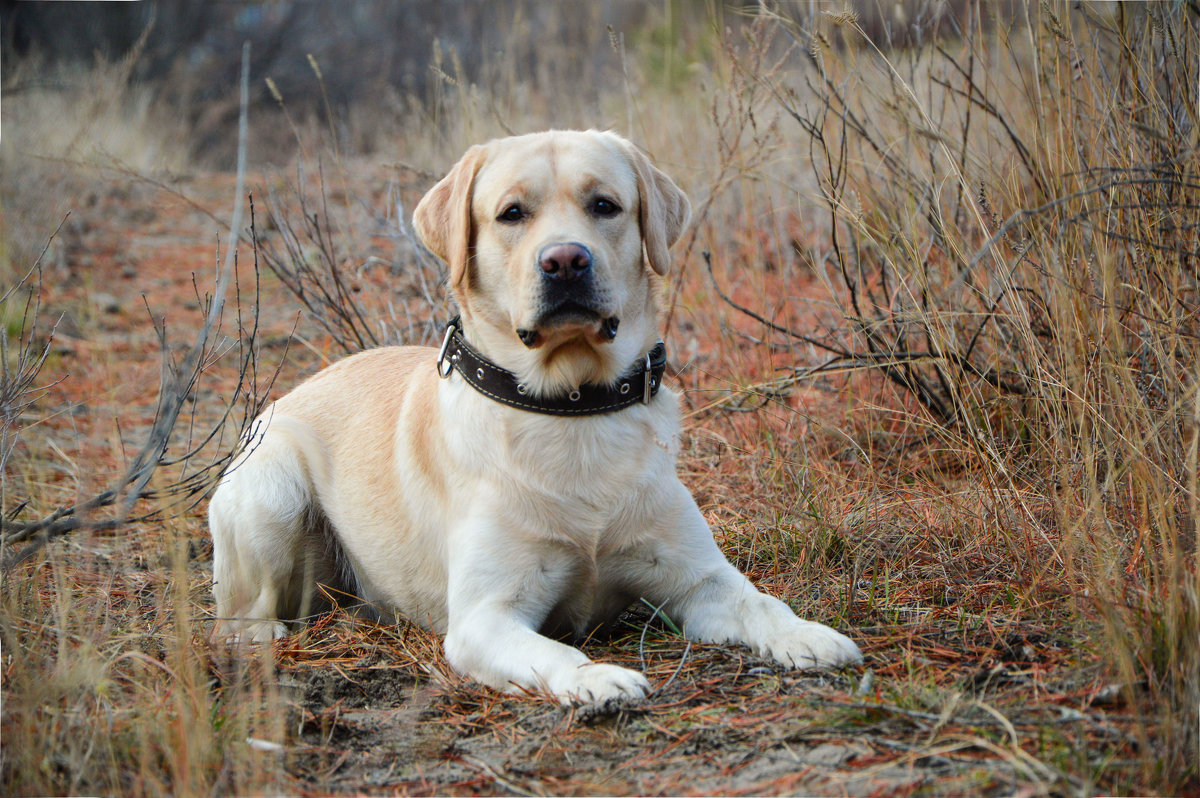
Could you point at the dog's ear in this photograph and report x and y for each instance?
(664, 211)
(443, 216)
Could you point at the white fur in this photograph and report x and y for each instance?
(486, 522)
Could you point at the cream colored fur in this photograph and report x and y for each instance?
(488, 523)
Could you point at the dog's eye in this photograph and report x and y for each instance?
(605, 207)
(512, 214)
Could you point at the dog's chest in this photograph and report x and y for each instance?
(590, 457)
(585, 472)
(591, 484)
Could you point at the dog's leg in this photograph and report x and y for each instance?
(500, 592)
(259, 518)
(683, 571)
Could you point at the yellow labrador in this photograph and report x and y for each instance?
(520, 482)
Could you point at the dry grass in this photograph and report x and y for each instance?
(959, 423)
(58, 118)
(1015, 237)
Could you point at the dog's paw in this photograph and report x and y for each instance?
(596, 682)
(597, 712)
(256, 633)
(804, 645)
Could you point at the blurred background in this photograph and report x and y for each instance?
(369, 64)
(372, 64)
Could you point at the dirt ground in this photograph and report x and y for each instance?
(942, 706)
(737, 726)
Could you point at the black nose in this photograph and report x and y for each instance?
(565, 261)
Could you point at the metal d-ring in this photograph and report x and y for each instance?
(441, 358)
(648, 381)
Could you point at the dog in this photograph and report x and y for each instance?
(518, 484)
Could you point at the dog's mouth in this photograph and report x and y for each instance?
(570, 318)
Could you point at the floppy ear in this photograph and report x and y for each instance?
(443, 216)
(664, 211)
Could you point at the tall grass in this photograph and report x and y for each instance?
(109, 687)
(1015, 239)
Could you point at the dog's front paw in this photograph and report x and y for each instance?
(804, 644)
(595, 682)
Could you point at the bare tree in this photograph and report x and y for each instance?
(208, 444)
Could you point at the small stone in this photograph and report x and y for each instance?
(830, 754)
(107, 303)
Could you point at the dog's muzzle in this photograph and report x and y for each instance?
(569, 295)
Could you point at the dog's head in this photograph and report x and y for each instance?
(554, 241)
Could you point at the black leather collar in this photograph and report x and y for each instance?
(639, 384)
